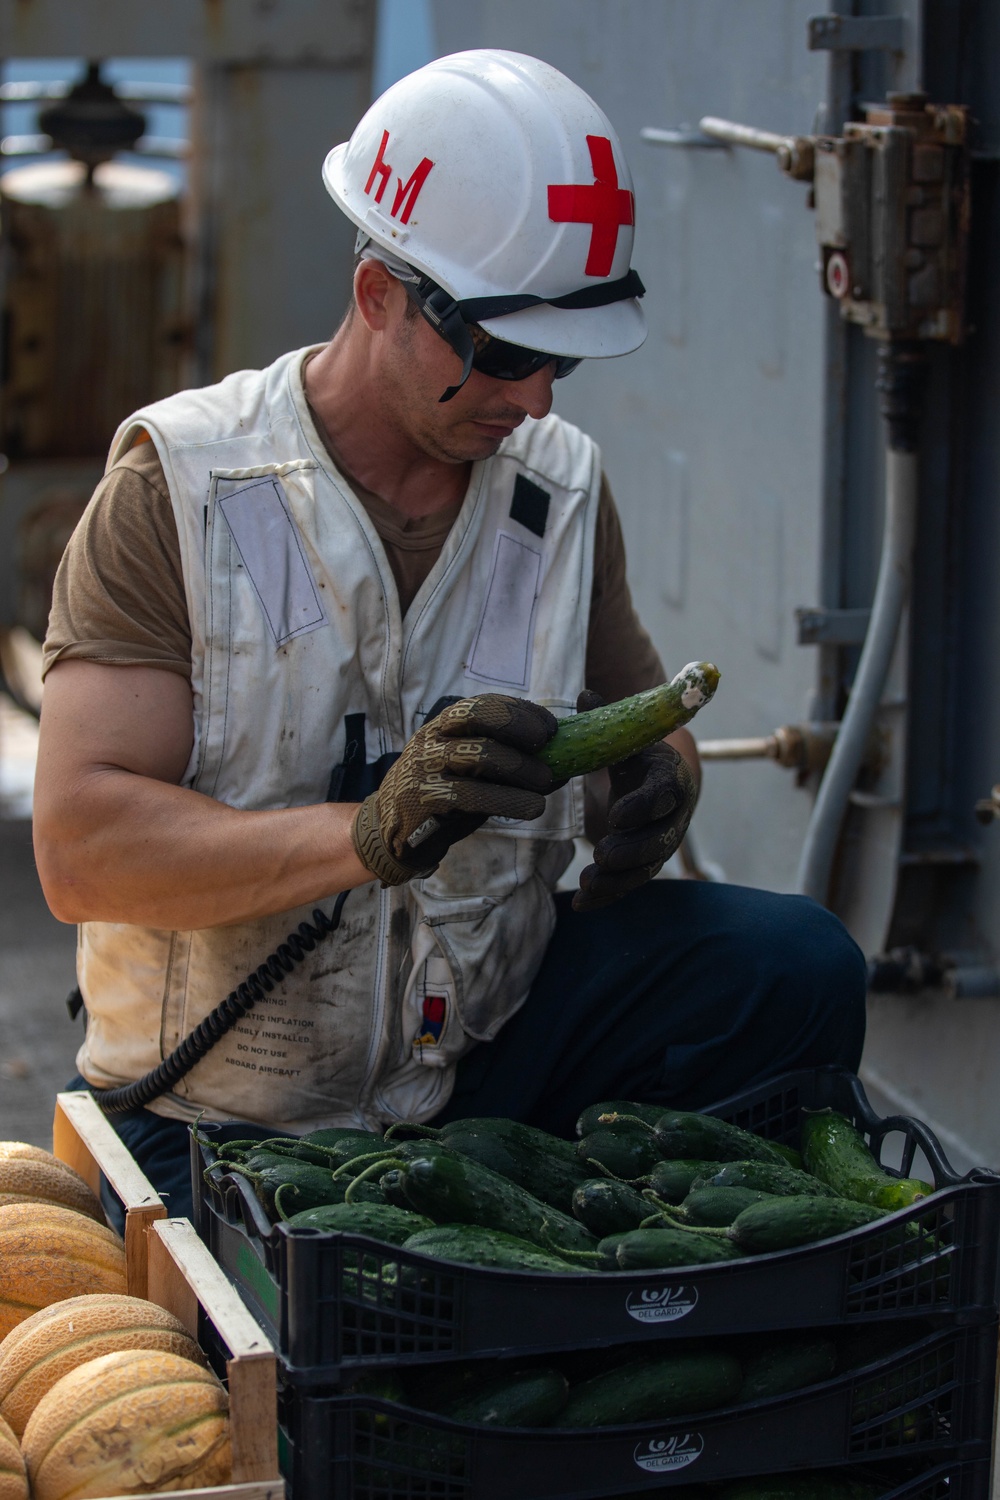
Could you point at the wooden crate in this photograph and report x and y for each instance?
(83, 1138)
(183, 1277)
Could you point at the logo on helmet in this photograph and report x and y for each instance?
(407, 192)
(603, 205)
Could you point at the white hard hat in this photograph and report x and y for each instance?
(497, 177)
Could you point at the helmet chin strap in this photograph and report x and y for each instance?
(450, 316)
(439, 308)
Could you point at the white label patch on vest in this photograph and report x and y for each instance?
(501, 651)
(272, 553)
(435, 990)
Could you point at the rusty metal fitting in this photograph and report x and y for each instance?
(796, 747)
(988, 808)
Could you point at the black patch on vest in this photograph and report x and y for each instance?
(530, 505)
(354, 780)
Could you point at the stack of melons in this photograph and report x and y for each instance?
(13, 1474)
(109, 1395)
(100, 1393)
(54, 1242)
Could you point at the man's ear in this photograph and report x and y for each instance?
(376, 292)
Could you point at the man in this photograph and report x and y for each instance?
(308, 640)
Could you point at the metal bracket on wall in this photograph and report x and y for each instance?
(988, 808)
(831, 627)
(856, 34)
(685, 135)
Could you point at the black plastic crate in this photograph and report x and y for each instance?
(335, 1303)
(931, 1402)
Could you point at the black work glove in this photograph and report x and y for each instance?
(474, 760)
(652, 797)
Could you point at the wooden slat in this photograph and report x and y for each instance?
(84, 1139)
(273, 1489)
(995, 1471)
(182, 1276)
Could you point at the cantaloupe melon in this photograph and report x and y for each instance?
(48, 1253)
(25, 1179)
(13, 1474)
(21, 1151)
(129, 1424)
(50, 1343)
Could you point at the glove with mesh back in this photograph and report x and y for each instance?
(650, 804)
(474, 760)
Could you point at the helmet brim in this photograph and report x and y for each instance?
(590, 333)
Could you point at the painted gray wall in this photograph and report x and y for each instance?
(711, 433)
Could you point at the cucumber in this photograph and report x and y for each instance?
(790, 1154)
(836, 1152)
(530, 1398)
(671, 1181)
(391, 1187)
(766, 1177)
(684, 1134)
(591, 1117)
(453, 1190)
(623, 1153)
(603, 736)
(522, 1137)
(332, 1135)
(586, 742)
(657, 1249)
(301, 1185)
(326, 1148)
(287, 1198)
(669, 1385)
(717, 1207)
(542, 1164)
(787, 1366)
(470, 1245)
(330, 1150)
(380, 1221)
(605, 1206)
(782, 1223)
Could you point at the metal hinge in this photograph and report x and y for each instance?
(856, 34)
(831, 627)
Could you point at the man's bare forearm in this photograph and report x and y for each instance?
(118, 839)
(140, 851)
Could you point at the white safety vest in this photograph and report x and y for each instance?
(297, 634)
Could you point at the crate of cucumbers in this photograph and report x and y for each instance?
(820, 1416)
(769, 1212)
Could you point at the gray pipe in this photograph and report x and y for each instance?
(891, 593)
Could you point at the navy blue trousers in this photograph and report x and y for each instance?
(680, 994)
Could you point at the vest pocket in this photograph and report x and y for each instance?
(272, 553)
(484, 920)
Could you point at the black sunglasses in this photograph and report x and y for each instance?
(477, 349)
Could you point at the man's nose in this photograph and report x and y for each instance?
(533, 394)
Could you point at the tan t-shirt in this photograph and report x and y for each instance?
(119, 592)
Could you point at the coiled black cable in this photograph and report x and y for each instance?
(223, 1018)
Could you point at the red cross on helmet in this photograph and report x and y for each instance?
(495, 175)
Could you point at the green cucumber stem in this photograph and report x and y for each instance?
(551, 1243)
(230, 1166)
(384, 1164)
(673, 1213)
(664, 1209)
(601, 1169)
(343, 1169)
(279, 1207)
(423, 1131)
(613, 1117)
